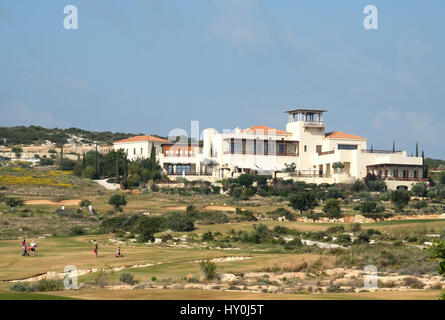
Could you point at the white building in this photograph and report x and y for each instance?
(264, 150)
(139, 147)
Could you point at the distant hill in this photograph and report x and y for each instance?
(37, 135)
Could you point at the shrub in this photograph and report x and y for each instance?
(23, 287)
(13, 202)
(358, 186)
(179, 222)
(362, 237)
(77, 231)
(212, 217)
(40, 286)
(208, 268)
(377, 185)
(335, 229)
(208, 236)
(127, 278)
(413, 283)
(281, 212)
(100, 278)
(216, 189)
(419, 204)
(368, 206)
(333, 193)
(190, 209)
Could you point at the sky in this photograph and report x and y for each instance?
(150, 66)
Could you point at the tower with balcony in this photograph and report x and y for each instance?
(308, 128)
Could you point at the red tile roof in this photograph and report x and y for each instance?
(343, 135)
(265, 129)
(142, 138)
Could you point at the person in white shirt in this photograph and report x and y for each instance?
(33, 247)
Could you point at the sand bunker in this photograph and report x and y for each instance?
(220, 208)
(80, 272)
(181, 208)
(224, 259)
(74, 202)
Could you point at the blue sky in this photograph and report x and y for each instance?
(151, 66)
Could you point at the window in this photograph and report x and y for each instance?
(232, 146)
(254, 146)
(180, 168)
(281, 148)
(141, 150)
(170, 168)
(134, 151)
(266, 147)
(347, 147)
(305, 148)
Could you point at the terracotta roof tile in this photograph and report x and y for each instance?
(343, 135)
(142, 138)
(265, 129)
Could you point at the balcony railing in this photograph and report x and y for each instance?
(403, 179)
(315, 124)
(326, 153)
(309, 174)
(380, 151)
(189, 174)
(288, 154)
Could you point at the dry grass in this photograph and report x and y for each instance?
(305, 264)
(157, 294)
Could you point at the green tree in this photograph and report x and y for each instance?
(303, 201)
(420, 189)
(332, 208)
(400, 198)
(85, 203)
(118, 201)
(61, 157)
(437, 253)
(18, 152)
(417, 149)
(338, 166)
(290, 167)
(246, 180)
(13, 202)
(378, 185)
(88, 172)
